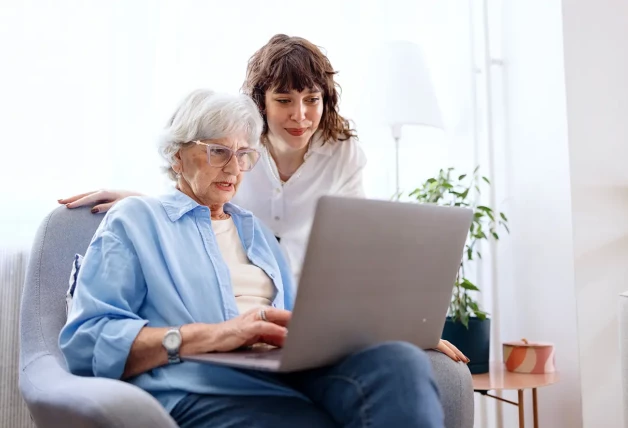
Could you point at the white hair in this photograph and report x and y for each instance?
(208, 115)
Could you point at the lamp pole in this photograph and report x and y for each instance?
(396, 132)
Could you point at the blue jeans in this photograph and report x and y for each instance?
(389, 385)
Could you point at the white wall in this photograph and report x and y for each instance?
(561, 145)
(535, 277)
(596, 70)
(87, 86)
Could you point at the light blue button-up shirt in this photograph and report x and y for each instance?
(155, 262)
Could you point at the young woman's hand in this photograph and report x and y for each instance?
(102, 200)
(451, 351)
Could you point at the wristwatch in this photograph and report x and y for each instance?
(172, 344)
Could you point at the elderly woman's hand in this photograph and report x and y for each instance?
(102, 199)
(451, 351)
(252, 327)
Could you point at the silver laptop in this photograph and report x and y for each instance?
(374, 271)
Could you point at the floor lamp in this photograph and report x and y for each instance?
(401, 91)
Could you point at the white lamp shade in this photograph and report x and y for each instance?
(399, 87)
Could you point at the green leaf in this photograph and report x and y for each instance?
(506, 226)
(465, 194)
(480, 315)
(485, 209)
(486, 179)
(476, 169)
(479, 254)
(468, 285)
(464, 319)
(476, 310)
(462, 177)
(447, 186)
(495, 235)
(469, 253)
(431, 180)
(503, 216)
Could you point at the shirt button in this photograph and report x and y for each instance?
(277, 218)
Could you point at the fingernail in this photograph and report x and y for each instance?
(59, 200)
(468, 360)
(94, 210)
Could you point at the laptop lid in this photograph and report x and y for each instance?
(374, 271)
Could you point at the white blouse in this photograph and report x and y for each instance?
(288, 209)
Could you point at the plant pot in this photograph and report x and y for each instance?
(474, 342)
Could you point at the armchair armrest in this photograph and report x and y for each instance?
(456, 390)
(57, 398)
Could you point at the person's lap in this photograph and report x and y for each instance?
(386, 384)
(208, 411)
(389, 384)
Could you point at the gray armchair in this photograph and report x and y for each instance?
(56, 398)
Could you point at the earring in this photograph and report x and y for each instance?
(178, 175)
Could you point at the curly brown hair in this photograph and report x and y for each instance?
(293, 63)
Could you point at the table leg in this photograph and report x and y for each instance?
(520, 405)
(535, 408)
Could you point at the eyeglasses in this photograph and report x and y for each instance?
(219, 156)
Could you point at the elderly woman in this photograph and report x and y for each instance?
(190, 273)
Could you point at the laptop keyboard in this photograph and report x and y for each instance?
(270, 355)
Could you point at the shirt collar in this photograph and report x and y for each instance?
(320, 146)
(177, 204)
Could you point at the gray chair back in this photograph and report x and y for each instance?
(62, 234)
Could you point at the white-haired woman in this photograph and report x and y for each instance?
(189, 272)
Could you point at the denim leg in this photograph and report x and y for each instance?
(212, 411)
(388, 385)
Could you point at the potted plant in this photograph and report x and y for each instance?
(467, 325)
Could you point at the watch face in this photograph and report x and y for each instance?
(172, 340)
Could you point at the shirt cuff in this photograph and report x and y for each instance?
(114, 345)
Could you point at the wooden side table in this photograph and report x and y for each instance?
(500, 379)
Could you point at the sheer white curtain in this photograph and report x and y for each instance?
(86, 86)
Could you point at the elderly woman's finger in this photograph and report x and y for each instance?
(277, 341)
(272, 315)
(278, 316)
(267, 329)
(74, 198)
